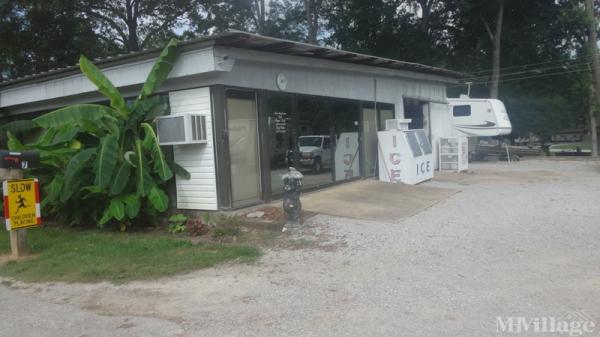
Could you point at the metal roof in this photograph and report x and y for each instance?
(245, 40)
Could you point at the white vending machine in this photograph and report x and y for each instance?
(404, 155)
(453, 154)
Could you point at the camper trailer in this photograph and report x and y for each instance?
(467, 117)
(474, 117)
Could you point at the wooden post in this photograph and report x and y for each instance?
(18, 243)
(18, 238)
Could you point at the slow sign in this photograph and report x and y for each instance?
(21, 203)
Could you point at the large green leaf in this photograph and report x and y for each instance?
(64, 134)
(121, 179)
(180, 171)
(161, 69)
(106, 216)
(130, 157)
(132, 205)
(158, 198)
(72, 173)
(13, 143)
(46, 137)
(18, 126)
(117, 208)
(142, 173)
(104, 85)
(54, 188)
(161, 167)
(73, 114)
(110, 124)
(93, 128)
(143, 107)
(93, 191)
(106, 160)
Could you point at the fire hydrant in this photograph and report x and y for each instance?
(292, 188)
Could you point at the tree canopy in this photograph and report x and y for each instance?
(537, 47)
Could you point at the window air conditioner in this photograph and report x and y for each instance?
(183, 128)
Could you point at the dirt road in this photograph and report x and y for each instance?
(517, 241)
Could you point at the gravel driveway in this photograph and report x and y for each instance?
(517, 241)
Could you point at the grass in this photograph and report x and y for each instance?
(571, 146)
(93, 256)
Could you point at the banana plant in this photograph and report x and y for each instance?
(103, 164)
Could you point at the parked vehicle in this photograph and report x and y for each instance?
(315, 152)
(473, 117)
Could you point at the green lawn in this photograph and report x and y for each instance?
(571, 147)
(92, 256)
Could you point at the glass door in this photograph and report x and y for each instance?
(242, 129)
(314, 144)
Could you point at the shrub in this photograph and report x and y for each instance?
(177, 223)
(227, 226)
(196, 227)
(102, 164)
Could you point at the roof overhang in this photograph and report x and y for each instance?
(244, 40)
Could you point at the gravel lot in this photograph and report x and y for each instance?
(519, 240)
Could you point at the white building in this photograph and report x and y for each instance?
(266, 102)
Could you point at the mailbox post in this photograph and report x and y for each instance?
(11, 169)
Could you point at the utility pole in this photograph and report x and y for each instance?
(592, 42)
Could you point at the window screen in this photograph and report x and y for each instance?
(171, 130)
(461, 110)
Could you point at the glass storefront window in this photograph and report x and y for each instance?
(281, 138)
(320, 137)
(314, 142)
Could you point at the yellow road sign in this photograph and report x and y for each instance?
(21, 203)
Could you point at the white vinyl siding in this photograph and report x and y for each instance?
(199, 192)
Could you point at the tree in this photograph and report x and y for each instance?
(312, 9)
(276, 18)
(37, 36)
(496, 38)
(259, 16)
(388, 28)
(595, 88)
(138, 24)
(222, 15)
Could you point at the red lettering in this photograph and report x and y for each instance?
(394, 176)
(348, 159)
(395, 158)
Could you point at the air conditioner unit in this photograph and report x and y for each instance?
(182, 128)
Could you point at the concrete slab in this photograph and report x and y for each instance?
(374, 200)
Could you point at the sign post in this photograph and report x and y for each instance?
(21, 211)
(21, 198)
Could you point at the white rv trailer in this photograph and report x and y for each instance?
(479, 117)
(467, 117)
